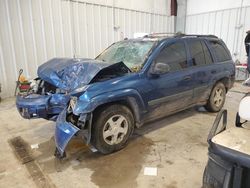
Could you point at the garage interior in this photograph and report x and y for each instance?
(32, 32)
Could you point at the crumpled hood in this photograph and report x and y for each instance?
(68, 73)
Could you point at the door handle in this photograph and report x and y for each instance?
(186, 78)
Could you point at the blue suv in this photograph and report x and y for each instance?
(147, 78)
(136, 81)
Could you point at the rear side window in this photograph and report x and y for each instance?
(208, 57)
(199, 53)
(220, 52)
(174, 55)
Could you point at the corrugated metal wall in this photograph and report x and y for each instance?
(230, 25)
(33, 31)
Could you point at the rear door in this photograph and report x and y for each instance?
(173, 90)
(202, 68)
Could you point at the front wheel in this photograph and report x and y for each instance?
(217, 98)
(112, 127)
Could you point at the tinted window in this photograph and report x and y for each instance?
(220, 51)
(197, 54)
(207, 53)
(174, 55)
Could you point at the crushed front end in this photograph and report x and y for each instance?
(49, 94)
(68, 124)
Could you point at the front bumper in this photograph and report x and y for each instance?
(41, 106)
(64, 132)
(33, 107)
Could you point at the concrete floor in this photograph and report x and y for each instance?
(176, 145)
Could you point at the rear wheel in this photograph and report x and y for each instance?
(217, 98)
(112, 127)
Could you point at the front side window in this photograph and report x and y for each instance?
(220, 52)
(174, 56)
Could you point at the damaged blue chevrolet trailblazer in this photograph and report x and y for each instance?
(132, 82)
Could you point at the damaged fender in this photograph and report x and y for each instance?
(64, 132)
(131, 96)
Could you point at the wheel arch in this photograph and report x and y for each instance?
(226, 81)
(130, 102)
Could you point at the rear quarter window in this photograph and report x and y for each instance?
(221, 53)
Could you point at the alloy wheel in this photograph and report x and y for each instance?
(218, 97)
(115, 129)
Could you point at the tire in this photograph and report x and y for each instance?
(209, 181)
(217, 98)
(111, 128)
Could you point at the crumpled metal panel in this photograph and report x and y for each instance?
(68, 73)
(64, 131)
(41, 105)
(33, 100)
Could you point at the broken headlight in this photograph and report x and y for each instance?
(34, 84)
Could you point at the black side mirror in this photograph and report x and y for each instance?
(160, 68)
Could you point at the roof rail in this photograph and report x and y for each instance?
(160, 35)
(195, 35)
(178, 34)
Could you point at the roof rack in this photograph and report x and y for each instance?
(178, 34)
(152, 35)
(194, 35)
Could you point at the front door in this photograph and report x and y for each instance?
(172, 90)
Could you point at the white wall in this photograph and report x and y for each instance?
(224, 18)
(202, 6)
(151, 6)
(181, 16)
(33, 31)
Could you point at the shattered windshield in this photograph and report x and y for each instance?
(131, 53)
